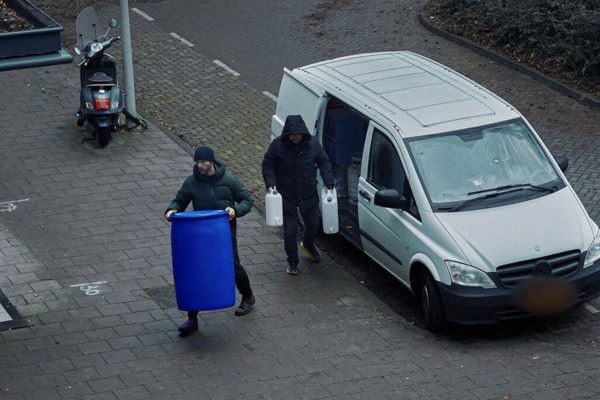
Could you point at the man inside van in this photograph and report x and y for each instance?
(211, 187)
(290, 164)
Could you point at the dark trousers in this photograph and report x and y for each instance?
(310, 217)
(242, 282)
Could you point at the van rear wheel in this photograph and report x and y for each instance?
(431, 305)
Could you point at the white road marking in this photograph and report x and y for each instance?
(270, 95)
(92, 283)
(90, 289)
(226, 68)
(143, 14)
(186, 42)
(182, 40)
(10, 206)
(591, 308)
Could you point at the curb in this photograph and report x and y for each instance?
(582, 98)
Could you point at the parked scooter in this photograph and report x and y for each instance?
(100, 96)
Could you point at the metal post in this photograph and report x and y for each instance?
(127, 63)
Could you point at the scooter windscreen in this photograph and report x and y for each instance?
(87, 27)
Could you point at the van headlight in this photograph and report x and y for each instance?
(593, 252)
(466, 275)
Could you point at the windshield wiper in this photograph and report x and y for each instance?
(473, 200)
(516, 186)
(496, 192)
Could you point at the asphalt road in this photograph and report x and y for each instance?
(259, 38)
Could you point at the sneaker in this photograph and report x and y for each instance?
(188, 327)
(292, 269)
(246, 305)
(312, 252)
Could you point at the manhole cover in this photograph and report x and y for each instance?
(164, 296)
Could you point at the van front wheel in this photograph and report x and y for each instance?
(431, 305)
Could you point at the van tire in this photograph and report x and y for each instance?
(432, 307)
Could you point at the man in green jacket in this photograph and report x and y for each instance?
(211, 187)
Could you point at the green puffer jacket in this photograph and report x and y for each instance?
(216, 192)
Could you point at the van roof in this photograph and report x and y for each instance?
(418, 95)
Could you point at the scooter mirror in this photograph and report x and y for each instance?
(77, 51)
(113, 23)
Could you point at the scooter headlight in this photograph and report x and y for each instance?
(466, 275)
(593, 253)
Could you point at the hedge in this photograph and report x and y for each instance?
(561, 34)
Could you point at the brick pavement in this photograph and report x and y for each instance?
(94, 215)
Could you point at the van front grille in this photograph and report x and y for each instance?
(558, 265)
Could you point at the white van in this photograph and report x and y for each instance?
(447, 187)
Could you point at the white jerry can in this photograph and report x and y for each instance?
(329, 211)
(274, 208)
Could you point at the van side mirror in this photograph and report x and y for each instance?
(562, 161)
(390, 198)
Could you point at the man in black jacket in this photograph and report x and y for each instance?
(290, 164)
(212, 187)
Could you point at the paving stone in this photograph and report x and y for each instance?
(106, 384)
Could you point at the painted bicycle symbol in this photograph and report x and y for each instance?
(90, 289)
(10, 206)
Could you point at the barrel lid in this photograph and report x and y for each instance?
(200, 214)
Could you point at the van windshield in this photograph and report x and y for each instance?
(483, 167)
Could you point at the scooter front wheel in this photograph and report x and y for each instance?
(103, 134)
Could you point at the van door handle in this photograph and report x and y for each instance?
(364, 195)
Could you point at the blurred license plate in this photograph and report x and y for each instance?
(544, 296)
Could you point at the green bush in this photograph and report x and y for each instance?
(562, 34)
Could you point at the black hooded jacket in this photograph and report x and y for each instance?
(293, 168)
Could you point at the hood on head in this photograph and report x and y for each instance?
(294, 124)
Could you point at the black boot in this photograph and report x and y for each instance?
(188, 326)
(246, 305)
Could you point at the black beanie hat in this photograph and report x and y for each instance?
(204, 153)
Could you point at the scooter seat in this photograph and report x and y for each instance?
(101, 77)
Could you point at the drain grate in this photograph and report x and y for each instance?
(164, 296)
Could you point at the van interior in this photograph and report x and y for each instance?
(344, 132)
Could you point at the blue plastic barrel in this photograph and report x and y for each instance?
(202, 260)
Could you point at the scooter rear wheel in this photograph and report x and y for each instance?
(104, 136)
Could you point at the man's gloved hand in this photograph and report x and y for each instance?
(231, 213)
(169, 213)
